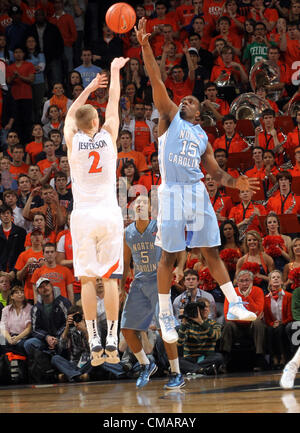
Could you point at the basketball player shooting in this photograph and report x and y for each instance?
(96, 221)
(182, 146)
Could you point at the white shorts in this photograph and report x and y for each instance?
(97, 238)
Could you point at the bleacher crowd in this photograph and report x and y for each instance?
(217, 50)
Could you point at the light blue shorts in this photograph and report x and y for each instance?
(141, 305)
(186, 218)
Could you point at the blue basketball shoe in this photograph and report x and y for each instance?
(146, 371)
(237, 311)
(176, 381)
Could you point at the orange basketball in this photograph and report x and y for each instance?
(120, 17)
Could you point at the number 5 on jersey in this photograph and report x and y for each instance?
(96, 159)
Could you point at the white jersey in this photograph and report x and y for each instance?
(93, 169)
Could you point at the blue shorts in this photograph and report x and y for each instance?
(186, 218)
(141, 305)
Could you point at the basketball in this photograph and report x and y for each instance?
(120, 17)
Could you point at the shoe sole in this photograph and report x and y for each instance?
(97, 358)
(285, 387)
(112, 357)
(245, 319)
(172, 341)
(174, 387)
(154, 370)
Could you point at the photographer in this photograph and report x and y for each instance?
(198, 336)
(73, 358)
(192, 294)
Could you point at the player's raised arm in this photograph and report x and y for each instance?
(70, 127)
(162, 101)
(111, 123)
(213, 168)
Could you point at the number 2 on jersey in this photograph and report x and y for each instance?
(94, 167)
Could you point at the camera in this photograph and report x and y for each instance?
(191, 310)
(77, 317)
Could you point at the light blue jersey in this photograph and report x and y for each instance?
(142, 301)
(179, 152)
(144, 253)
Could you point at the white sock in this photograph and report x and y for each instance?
(174, 364)
(164, 302)
(142, 357)
(296, 357)
(92, 328)
(229, 292)
(112, 327)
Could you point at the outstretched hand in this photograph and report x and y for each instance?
(119, 62)
(100, 81)
(140, 31)
(244, 183)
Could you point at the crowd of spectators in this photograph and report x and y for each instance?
(49, 51)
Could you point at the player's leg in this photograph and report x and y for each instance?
(176, 379)
(217, 268)
(111, 305)
(289, 372)
(89, 306)
(164, 281)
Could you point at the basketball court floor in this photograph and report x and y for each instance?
(235, 393)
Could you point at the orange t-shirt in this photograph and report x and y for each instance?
(236, 144)
(137, 157)
(45, 163)
(180, 90)
(51, 238)
(148, 150)
(60, 276)
(33, 149)
(20, 89)
(21, 262)
(149, 179)
(142, 135)
(239, 213)
(280, 204)
(232, 38)
(15, 171)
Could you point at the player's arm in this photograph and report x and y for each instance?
(166, 107)
(127, 260)
(213, 168)
(70, 127)
(112, 121)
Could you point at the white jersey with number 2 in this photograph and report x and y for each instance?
(93, 169)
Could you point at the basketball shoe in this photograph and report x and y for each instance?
(167, 327)
(237, 311)
(176, 381)
(288, 375)
(111, 350)
(146, 371)
(96, 352)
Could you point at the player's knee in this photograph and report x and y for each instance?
(167, 259)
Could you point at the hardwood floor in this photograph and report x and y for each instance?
(244, 393)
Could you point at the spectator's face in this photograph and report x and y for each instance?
(297, 154)
(219, 45)
(249, 27)
(77, 90)
(274, 55)
(257, 155)
(155, 132)
(148, 111)
(229, 126)
(296, 8)
(160, 10)
(40, 17)
(252, 242)
(272, 223)
(6, 217)
(231, 6)
(36, 239)
(125, 141)
(10, 200)
(47, 195)
(18, 54)
(53, 113)
(129, 170)
(177, 75)
(12, 139)
(168, 33)
(140, 12)
(2, 41)
(292, 32)
(244, 282)
(224, 27)
(259, 33)
(268, 159)
(275, 281)
(246, 195)
(39, 222)
(211, 93)
(86, 57)
(4, 164)
(284, 185)
(58, 89)
(34, 172)
(130, 90)
(18, 155)
(45, 289)
(60, 183)
(210, 183)
(50, 254)
(261, 92)
(4, 284)
(64, 163)
(134, 65)
(296, 248)
(49, 148)
(31, 43)
(194, 42)
(269, 121)
(18, 296)
(191, 282)
(155, 164)
(58, 5)
(228, 231)
(221, 159)
(75, 78)
(56, 138)
(37, 131)
(139, 111)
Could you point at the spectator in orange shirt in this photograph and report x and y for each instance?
(39, 222)
(20, 77)
(284, 78)
(266, 15)
(65, 23)
(36, 146)
(55, 214)
(134, 73)
(60, 276)
(220, 202)
(285, 201)
(168, 34)
(49, 165)
(17, 165)
(221, 156)
(290, 44)
(293, 137)
(253, 297)
(231, 141)
(232, 40)
(269, 138)
(180, 86)
(139, 127)
(258, 168)
(295, 171)
(151, 177)
(30, 260)
(261, 91)
(153, 146)
(132, 48)
(245, 214)
(237, 21)
(218, 107)
(127, 154)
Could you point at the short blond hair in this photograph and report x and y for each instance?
(84, 116)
